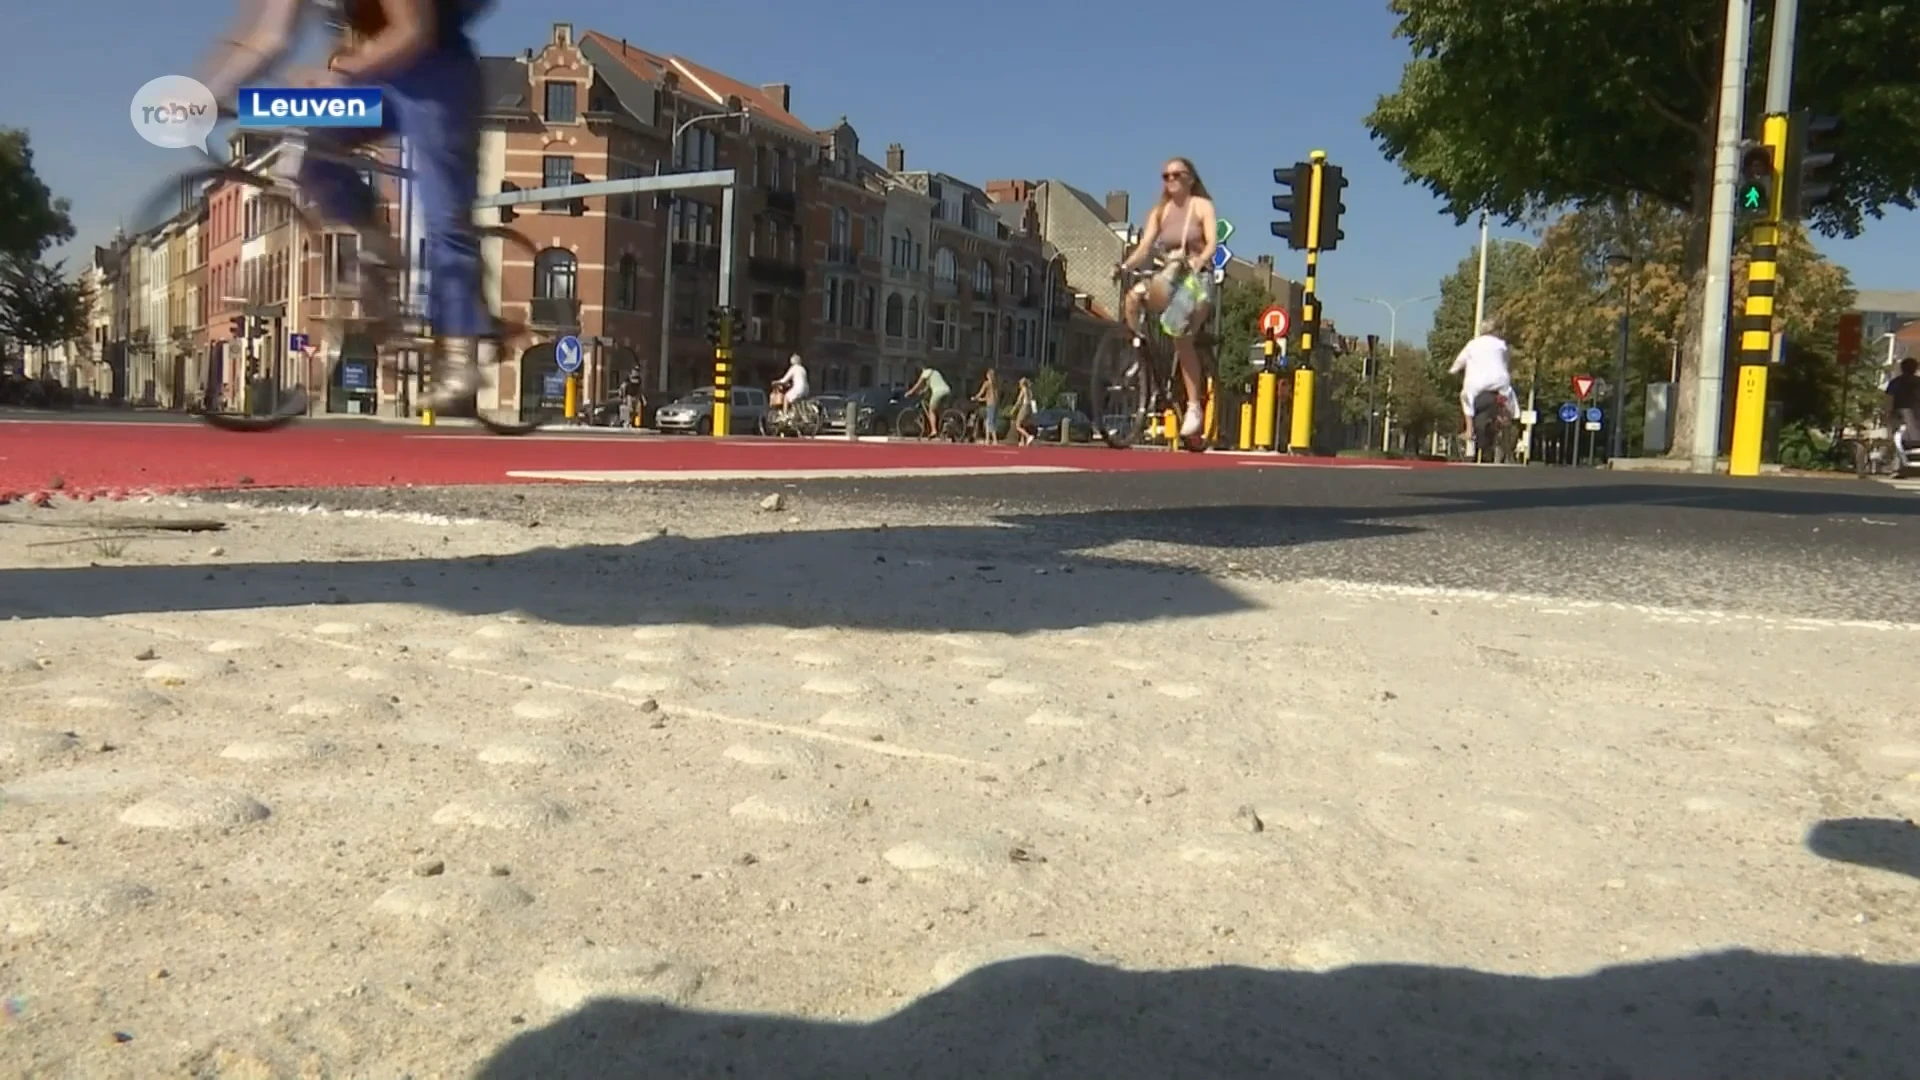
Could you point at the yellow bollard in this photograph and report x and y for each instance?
(1211, 428)
(1246, 425)
(1266, 396)
(573, 398)
(426, 417)
(1170, 428)
(1302, 435)
(1749, 420)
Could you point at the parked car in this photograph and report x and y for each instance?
(694, 412)
(878, 407)
(1046, 425)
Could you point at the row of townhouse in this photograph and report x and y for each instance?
(867, 268)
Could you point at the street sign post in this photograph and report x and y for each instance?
(1221, 254)
(566, 353)
(1274, 321)
(1570, 419)
(1593, 418)
(1569, 413)
(296, 342)
(1582, 386)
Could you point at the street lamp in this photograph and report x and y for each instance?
(1393, 344)
(666, 246)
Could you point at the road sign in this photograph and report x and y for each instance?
(1274, 321)
(1222, 229)
(1582, 386)
(566, 352)
(1221, 253)
(1569, 413)
(1593, 414)
(296, 342)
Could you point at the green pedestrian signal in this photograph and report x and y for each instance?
(1753, 195)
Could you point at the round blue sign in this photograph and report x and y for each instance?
(1569, 413)
(566, 353)
(1593, 415)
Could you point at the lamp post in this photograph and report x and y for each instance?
(1617, 437)
(1393, 345)
(666, 246)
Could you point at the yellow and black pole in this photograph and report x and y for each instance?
(723, 373)
(1266, 396)
(1300, 438)
(1757, 198)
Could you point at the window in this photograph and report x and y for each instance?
(698, 151)
(783, 171)
(946, 269)
(1013, 281)
(795, 244)
(943, 328)
(556, 171)
(830, 302)
(842, 232)
(983, 280)
(252, 218)
(1020, 342)
(693, 223)
(341, 267)
(985, 331)
(628, 205)
(560, 101)
(871, 239)
(1006, 338)
(896, 316)
(846, 303)
(555, 274)
(1026, 281)
(900, 253)
(762, 167)
(628, 292)
(913, 319)
(864, 317)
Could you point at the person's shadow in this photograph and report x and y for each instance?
(1882, 843)
(1738, 1015)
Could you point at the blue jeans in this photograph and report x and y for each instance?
(435, 106)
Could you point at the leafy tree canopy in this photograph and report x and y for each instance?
(1520, 106)
(39, 305)
(31, 219)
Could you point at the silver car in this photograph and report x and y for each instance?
(694, 413)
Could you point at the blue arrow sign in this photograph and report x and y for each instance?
(1593, 415)
(296, 342)
(566, 352)
(1569, 413)
(1221, 253)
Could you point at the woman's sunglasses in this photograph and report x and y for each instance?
(1176, 175)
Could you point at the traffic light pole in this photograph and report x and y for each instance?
(1720, 226)
(1300, 437)
(1756, 329)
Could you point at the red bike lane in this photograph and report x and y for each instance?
(92, 459)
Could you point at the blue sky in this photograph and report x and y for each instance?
(983, 91)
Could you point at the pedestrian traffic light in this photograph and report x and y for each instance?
(506, 212)
(1806, 180)
(1753, 195)
(1293, 206)
(1332, 182)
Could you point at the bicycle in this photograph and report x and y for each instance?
(356, 338)
(1492, 429)
(912, 423)
(1136, 367)
(801, 418)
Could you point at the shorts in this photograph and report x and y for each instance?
(1507, 397)
(934, 401)
(1205, 294)
(993, 419)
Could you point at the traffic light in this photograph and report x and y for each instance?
(720, 323)
(239, 324)
(1806, 180)
(506, 212)
(1753, 195)
(1372, 363)
(1292, 225)
(1332, 182)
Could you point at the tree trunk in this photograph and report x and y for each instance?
(1686, 395)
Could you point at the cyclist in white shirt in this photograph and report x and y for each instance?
(793, 385)
(1482, 365)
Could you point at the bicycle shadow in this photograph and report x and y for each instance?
(1732, 1014)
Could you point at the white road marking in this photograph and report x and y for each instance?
(640, 476)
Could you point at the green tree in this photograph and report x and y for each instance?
(39, 305)
(1240, 305)
(1048, 384)
(1521, 107)
(1510, 272)
(31, 219)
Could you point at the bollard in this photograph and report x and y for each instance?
(1246, 425)
(1302, 435)
(1266, 396)
(1170, 428)
(573, 398)
(1210, 428)
(426, 417)
(853, 421)
(1066, 430)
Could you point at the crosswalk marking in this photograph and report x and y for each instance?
(1911, 483)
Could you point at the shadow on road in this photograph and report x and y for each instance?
(891, 579)
(1818, 498)
(1881, 843)
(1735, 1015)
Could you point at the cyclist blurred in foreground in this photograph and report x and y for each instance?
(418, 53)
(1181, 231)
(1903, 411)
(1482, 365)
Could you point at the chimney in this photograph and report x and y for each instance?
(562, 33)
(1264, 262)
(1117, 205)
(781, 93)
(896, 158)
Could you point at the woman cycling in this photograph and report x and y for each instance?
(1180, 230)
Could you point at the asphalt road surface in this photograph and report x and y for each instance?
(1811, 548)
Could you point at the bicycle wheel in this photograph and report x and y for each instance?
(910, 424)
(953, 425)
(1116, 399)
(807, 420)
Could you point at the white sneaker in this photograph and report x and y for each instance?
(1193, 422)
(456, 378)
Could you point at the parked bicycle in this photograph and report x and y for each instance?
(350, 332)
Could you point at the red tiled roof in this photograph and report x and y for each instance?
(702, 81)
